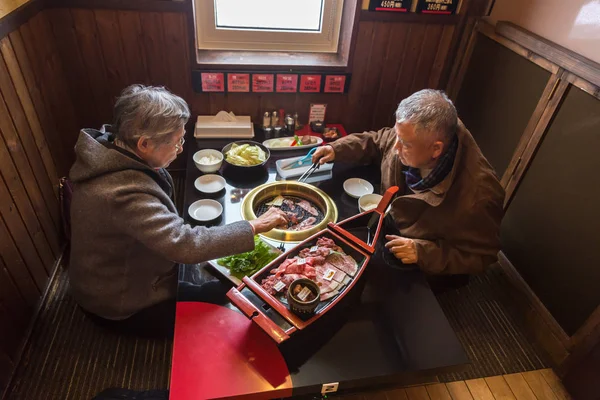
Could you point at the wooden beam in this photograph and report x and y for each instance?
(582, 84)
(556, 96)
(19, 16)
(540, 322)
(138, 5)
(530, 128)
(460, 68)
(565, 58)
(488, 30)
(380, 16)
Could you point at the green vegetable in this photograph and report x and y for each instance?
(245, 264)
(245, 154)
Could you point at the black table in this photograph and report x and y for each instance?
(394, 334)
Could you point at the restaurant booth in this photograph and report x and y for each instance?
(282, 78)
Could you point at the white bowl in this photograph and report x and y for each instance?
(208, 167)
(209, 183)
(205, 210)
(369, 201)
(356, 187)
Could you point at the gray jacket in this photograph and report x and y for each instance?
(126, 234)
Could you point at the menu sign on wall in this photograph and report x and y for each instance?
(238, 83)
(310, 84)
(262, 83)
(269, 82)
(437, 6)
(213, 81)
(335, 83)
(287, 83)
(389, 5)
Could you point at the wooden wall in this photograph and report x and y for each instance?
(37, 124)
(108, 49)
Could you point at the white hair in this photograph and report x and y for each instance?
(431, 111)
(148, 111)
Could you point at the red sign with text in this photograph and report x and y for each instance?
(310, 84)
(287, 83)
(335, 83)
(262, 82)
(238, 83)
(213, 82)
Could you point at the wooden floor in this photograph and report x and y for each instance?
(542, 384)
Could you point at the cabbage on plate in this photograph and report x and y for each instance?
(245, 155)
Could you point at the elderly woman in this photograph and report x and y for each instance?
(127, 238)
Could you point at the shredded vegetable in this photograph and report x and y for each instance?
(245, 154)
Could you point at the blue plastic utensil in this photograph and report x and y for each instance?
(306, 160)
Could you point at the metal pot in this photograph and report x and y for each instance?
(316, 196)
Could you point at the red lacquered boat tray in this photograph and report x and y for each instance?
(345, 234)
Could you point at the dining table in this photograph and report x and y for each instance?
(392, 334)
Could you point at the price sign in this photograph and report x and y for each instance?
(238, 83)
(390, 5)
(213, 81)
(287, 83)
(262, 83)
(335, 83)
(437, 6)
(310, 84)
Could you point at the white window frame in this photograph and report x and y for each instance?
(210, 38)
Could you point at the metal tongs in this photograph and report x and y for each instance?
(309, 172)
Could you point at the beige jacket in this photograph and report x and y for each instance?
(456, 224)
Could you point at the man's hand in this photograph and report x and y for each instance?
(323, 154)
(402, 248)
(272, 218)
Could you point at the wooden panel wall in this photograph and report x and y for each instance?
(110, 49)
(37, 125)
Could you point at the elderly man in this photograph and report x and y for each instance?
(449, 213)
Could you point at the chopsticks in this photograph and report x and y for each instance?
(309, 172)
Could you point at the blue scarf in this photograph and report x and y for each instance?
(442, 169)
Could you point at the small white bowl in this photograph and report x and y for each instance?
(356, 187)
(208, 167)
(369, 201)
(209, 183)
(205, 210)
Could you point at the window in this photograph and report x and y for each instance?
(269, 25)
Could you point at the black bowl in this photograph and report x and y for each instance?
(303, 307)
(245, 168)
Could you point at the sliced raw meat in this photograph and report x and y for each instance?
(318, 252)
(329, 295)
(314, 261)
(329, 243)
(308, 207)
(290, 203)
(269, 283)
(343, 262)
(306, 224)
(325, 242)
(339, 276)
(291, 266)
(326, 286)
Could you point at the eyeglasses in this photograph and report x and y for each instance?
(179, 146)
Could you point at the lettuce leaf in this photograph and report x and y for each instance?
(244, 264)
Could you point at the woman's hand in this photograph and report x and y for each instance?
(272, 218)
(323, 154)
